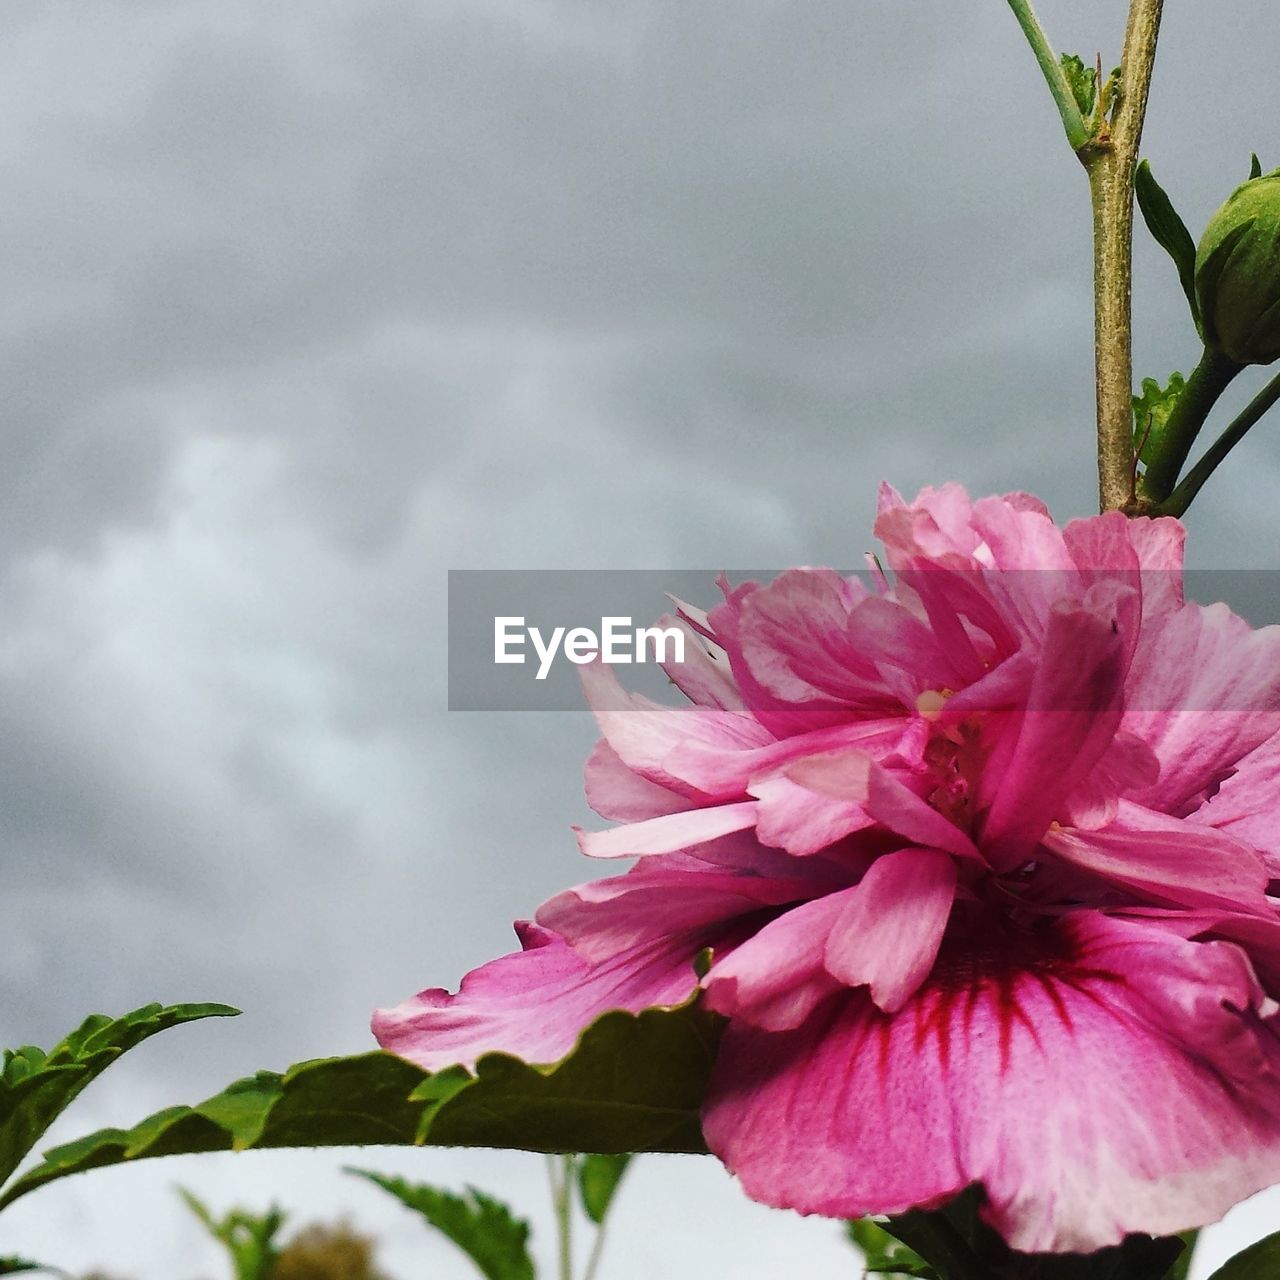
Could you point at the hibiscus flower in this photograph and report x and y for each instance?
(986, 858)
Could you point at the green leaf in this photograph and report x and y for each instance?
(1082, 80)
(10, 1266)
(1168, 230)
(1182, 1267)
(598, 1179)
(884, 1255)
(634, 1082)
(36, 1087)
(1255, 167)
(1259, 1261)
(1151, 412)
(249, 1238)
(482, 1227)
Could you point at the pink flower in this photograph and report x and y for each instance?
(985, 859)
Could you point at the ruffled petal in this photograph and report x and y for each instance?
(890, 927)
(534, 1003)
(664, 899)
(793, 638)
(1203, 692)
(645, 734)
(1248, 804)
(620, 794)
(855, 777)
(1099, 1078)
(1071, 718)
(1169, 860)
(668, 833)
(777, 978)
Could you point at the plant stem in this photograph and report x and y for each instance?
(1110, 160)
(560, 1174)
(597, 1251)
(1181, 498)
(1208, 381)
(1055, 78)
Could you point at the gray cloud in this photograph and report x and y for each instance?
(307, 304)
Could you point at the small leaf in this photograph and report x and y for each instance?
(598, 1179)
(1082, 80)
(1255, 167)
(482, 1227)
(249, 1238)
(1182, 1267)
(1151, 412)
(11, 1266)
(36, 1087)
(1259, 1261)
(885, 1255)
(1168, 230)
(634, 1082)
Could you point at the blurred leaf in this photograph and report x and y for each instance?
(1083, 82)
(11, 1266)
(249, 1238)
(1151, 412)
(634, 1082)
(598, 1179)
(1168, 230)
(483, 1228)
(36, 1087)
(1259, 1261)
(884, 1255)
(1182, 1266)
(1255, 167)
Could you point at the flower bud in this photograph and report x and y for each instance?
(1238, 274)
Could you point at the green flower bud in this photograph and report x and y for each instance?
(1238, 274)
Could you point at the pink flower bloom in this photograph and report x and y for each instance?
(987, 862)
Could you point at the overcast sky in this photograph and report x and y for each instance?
(306, 303)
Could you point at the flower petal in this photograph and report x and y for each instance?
(1101, 1078)
(854, 776)
(776, 978)
(1071, 717)
(890, 927)
(1168, 859)
(534, 1003)
(668, 833)
(1204, 691)
(1248, 803)
(620, 794)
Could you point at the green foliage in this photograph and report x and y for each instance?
(37, 1086)
(1259, 1261)
(249, 1238)
(598, 1179)
(1182, 1267)
(1169, 231)
(959, 1245)
(883, 1254)
(1096, 98)
(11, 1266)
(634, 1082)
(482, 1227)
(1082, 80)
(1151, 412)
